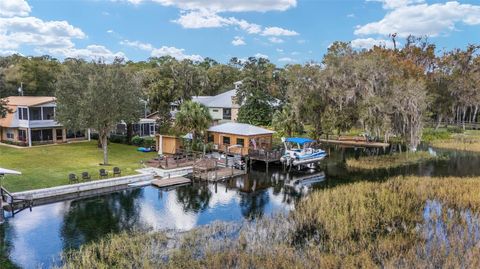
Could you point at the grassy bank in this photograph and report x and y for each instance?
(389, 161)
(365, 224)
(453, 138)
(49, 166)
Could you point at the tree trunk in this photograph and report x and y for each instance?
(129, 133)
(104, 139)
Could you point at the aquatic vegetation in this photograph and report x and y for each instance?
(467, 141)
(389, 161)
(410, 222)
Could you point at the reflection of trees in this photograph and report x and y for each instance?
(252, 205)
(6, 247)
(90, 219)
(194, 198)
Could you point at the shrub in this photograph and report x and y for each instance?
(431, 135)
(137, 141)
(455, 129)
(121, 139)
(148, 142)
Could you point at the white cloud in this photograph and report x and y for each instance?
(295, 53)
(277, 31)
(18, 31)
(392, 4)
(301, 41)
(275, 40)
(286, 59)
(238, 41)
(259, 55)
(201, 19)
(279, 50)
(177, 53)
(137, 44)
(351, 15)
(227, 5)
(11, 8)
(197, 19)
(422, 19)
(110, 31)
(367, 43)
(7, 52)
(91, 52)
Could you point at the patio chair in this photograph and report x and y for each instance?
(103, 173)
(72, 178)
(117, 171)
(86, 176)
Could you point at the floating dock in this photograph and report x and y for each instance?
(218, 174)
(168, 182)
(355, 144)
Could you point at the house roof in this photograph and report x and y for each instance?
(239, 129)
(29, 100)
(223, 100)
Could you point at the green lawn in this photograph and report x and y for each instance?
(49, 166)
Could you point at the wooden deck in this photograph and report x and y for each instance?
(168, 182)
(218, 174)
(356, 144)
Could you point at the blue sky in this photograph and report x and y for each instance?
(285, 31)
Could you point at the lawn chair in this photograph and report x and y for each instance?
(117, 171)
(86, 176)
(72, 178)
(103, 173)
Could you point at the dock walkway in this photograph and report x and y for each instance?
(353, 143)
(168, 182)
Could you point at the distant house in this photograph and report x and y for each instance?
(222, 107)
(32, 121)
(144, 127)
(232, 137)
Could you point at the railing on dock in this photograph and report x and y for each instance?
(14, 205)
(265, 155)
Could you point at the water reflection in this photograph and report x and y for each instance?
(38, 237)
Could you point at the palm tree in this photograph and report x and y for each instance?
(192, 118)
(286, 122)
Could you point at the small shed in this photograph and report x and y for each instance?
(167, 144)
(238, 138)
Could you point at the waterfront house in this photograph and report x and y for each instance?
(32, 121)
(239, 138)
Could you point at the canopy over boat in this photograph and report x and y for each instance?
(299, 140)
(4, 171)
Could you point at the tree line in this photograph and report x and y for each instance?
(388, 92)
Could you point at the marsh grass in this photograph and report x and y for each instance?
(408, 222)
(467, 141)
(389, 161)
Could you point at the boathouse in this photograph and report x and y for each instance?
(239, 138)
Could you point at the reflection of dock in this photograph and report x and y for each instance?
(168, 182)
(355, 143)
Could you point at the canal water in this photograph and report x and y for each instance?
(36, 239)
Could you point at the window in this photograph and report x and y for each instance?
(10, 134)
(22, 114)
(42, 135)
(35, 113)
(22, 135)
(48, 113)
(210, 138)
(241, 142)
(227, 114)
(215, 110)
(226, 140)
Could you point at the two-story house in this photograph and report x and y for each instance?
(32, 121)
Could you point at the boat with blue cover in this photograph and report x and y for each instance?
(298, 151)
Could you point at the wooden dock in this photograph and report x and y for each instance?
(168, 182)
(218, 174)
(355, 144)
